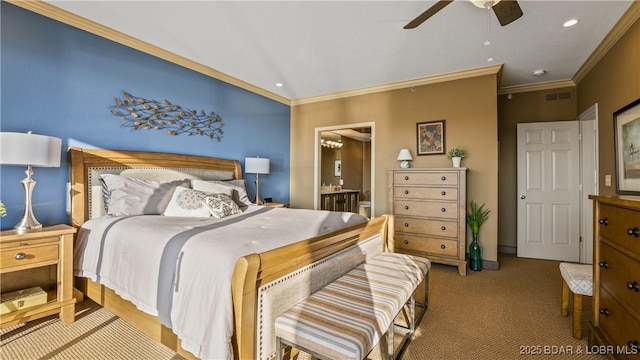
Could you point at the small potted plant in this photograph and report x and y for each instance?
(3, 210)
(456, 154)
(476, 216)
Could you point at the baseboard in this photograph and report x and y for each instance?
(505, 249)
(490, 265)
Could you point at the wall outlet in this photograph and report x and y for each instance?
(607, 180)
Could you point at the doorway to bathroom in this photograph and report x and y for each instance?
(344, 167)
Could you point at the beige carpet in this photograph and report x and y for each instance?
(502, 314)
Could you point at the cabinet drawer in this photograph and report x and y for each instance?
(432, 178)
(426, 244)
(410, 192)
(435, 209)
(614, 224)
(621, 326)
(28, 255)
(619, 273)
(444, 228)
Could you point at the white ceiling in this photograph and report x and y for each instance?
(316, 48)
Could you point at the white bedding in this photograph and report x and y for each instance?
(180, 268)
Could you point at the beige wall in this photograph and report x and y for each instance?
(522, 108)
(613, 83)
(470, 110)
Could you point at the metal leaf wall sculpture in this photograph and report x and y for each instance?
(139, 113)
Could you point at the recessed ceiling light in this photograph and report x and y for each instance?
(539, 72)
(570, 23)
(279, 84)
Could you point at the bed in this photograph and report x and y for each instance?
(267, 261)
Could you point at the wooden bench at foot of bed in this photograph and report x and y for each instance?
(348, 317)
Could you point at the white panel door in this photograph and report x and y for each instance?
(548, 191)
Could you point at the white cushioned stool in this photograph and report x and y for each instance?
(577, 279)
(347, 318)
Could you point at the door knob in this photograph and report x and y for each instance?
(522, 197)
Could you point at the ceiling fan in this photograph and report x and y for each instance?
(507, 11)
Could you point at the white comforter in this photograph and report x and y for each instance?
(180, 268)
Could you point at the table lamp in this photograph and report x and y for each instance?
(404, 156)
(256, 165)
(29, 150)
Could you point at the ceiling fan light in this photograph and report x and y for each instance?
(484, 4)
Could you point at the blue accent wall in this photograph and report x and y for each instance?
(59, 81)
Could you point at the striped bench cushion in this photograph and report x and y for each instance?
(347, 318)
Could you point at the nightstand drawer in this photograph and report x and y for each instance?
(20, 256)
(28, 242)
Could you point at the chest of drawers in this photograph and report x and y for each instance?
(429, 210)
(616, 298)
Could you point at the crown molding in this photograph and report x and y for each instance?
(458, 75)
(620, 28)
(45, 9)
(549, 85)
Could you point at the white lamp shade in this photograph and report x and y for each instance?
(404, 155)
(255, 165)
(29, 149)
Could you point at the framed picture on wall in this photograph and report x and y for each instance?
(337, 168)
(430, 137)
(627, 142)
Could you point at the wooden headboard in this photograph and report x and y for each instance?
(83, 160)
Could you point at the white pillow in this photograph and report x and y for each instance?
(138, 197)
(187, 202)
(221, 205)
(239, 194)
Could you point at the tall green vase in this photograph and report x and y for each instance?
(475, 254)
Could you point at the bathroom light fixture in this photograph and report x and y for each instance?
(331, 144)
(404, 156)
(256, 165)
(29, 150)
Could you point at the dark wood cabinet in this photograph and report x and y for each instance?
(344, 200)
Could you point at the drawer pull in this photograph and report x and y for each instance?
(406, 192)
(443, 193)
(635, 232)
(406, 178)
(444, 178)
(603, 264)
(443, 246)
(443, 228)
(604, 311)
(19, 256)
(406, 207)
(406, 242)
(406, 224)
(633, 286)
(443, 210)
(603, 221)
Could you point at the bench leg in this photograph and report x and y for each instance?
(577, 316)
(278, 348)
(390, 334)
(565, 299)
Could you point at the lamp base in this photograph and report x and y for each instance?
(404, 164)
(28, 221)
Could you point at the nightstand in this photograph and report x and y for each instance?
(41, 258)
(276, 205)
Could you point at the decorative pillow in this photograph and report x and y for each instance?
(188, 202)
(221, 205)
(239, 194)
(138, 197)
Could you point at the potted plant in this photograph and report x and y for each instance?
(456, 154)
(3, 210)
(476, 216)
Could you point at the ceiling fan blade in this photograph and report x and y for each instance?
(507, 11)
(427, 14)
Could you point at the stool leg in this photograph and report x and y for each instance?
(278, 348)
(390, 334)
(565, 298)
(577, 316)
